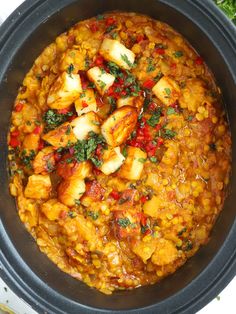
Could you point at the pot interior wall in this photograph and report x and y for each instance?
(22, 241)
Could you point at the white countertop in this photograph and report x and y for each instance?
(225, 303)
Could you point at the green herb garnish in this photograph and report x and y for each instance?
(70, 69)
(93, 215)
(178, 54)
(124, 222)
(126, 60)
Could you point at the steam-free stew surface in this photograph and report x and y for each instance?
(119, 151)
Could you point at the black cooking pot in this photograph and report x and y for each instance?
(30, 273)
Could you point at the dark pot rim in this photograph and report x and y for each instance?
(219, 271)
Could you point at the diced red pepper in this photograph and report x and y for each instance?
(140, 38)
(93, 27)
(114, 194)
(72, 118)
(199, 60)
(63, 214)
(15, 133)
(96, 171)
(37, 129)
(14, 142)
(143, 220)
(158, 127)
(99, 60)
(99, 150)
(160, 51)
(149, 83)
(18, 107)
(110, 21)
(84, 104)
(160, 141)
(147, 232)
(84, 84)
(41, 144)
(143, 199)
(57, 156)
(63, 111)
(152, 106)
(173, 65)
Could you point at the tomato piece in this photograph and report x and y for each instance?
(149, 83)
(84, 104)
(15, 133)
(37, 129)
(99, 60)
(143, 199)
(18, 107)
(160, 51)
(14, 142)
(160, 141)
(110, 21)
(114, 194)
(139, 38)
(57, 156)
(199, 60)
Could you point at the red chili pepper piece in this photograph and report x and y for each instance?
(14, 142)
(37, 129)
(114, 194)
(84, 104)
(149, 83)
(160, 141)
(57, 156)
(147, 232)
(15, 133)
(18, 107)
(63, 111)
(199, 60)
(160, 51)
(110, 21)
(143, 220)
(143, 199)
(99, 61)
(41, 144)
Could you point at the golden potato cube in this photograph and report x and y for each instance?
(70, 190)
(133, 166)
(144, 249)
(52, 209)
(74, 169)
(65, 90)
(151, 207)
(112, 160)
(102, 80)
(132, 101)
(165, 253)
(119, 125)
(38, 186)
(113, 50)
(86, 102)
(61, 136)
(167, 90)
(84, 124)
(31, 141)
(74, 59)
(44, 161)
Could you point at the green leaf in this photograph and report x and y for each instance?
(169, 134)
(178, 54)
(124, 222)
(154, 120)
(167, 91)
(93, 215)
(126, 60)
(153, 159)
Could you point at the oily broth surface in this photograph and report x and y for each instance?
(138, 224)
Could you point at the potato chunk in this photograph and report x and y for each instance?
(133, 166)
(165, 253)
(167, 90)
(52, 209)
(84, 124)
(72, 57)
(133, 101)
(65, 90)
(86, 102)
(61, 136)
(31, 141)
(112, 160)
(38, 186)
(144, 249)
(70, 190)
(119, 125)
(102, 80)
(44, 161)
(73, 169)
(113, 50)
(151, 207)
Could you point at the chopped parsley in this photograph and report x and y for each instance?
(124, 222)
(168, 92)
(170, 111)
(27, 158)
(142, 160)
(110, 28)
(97, 163)
(70, 69)
(124, 152)
(50, 166)
(100, 17)
(53, 119)
(113, 68)
(154, 120)
(190, 118)
(101, 84)
(153, 159)
(72, 214)
(126, 60)
(93, 215)
(169, 134)
(151, 67)
(182, 231)
(178, 54)
(77, 202)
